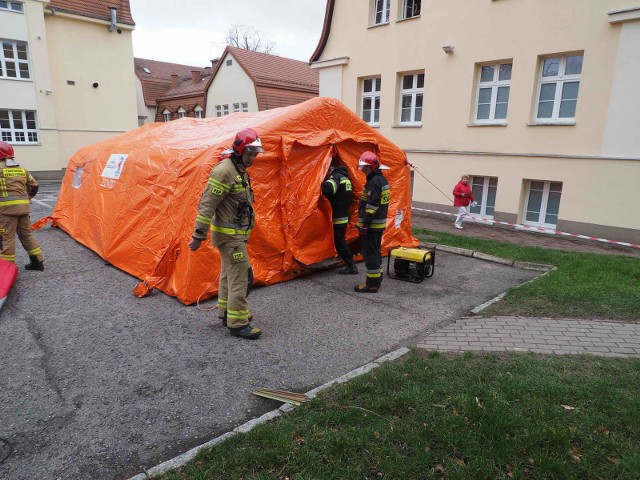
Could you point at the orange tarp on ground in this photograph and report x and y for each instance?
(133, 198)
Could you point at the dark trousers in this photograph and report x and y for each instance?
(372, 257)
(339, 240)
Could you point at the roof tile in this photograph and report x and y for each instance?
(95, 9)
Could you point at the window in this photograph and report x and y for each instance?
(558, 89)
(370, 106)
(543, 204)
(410, 8)
(484, 190)
(245, 107)
(13, 60)
(381, 10)
(225, 109)
(198, 111)
(236, 107)
(146, 70)
(182, 112)
(18, 126)
(166, 115)
(12, 6)
(493, 93)
(229, 62)
(411, 91)
(218, 110)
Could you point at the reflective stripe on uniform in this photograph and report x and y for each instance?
(203, 219)
(374, 273)
(35, 251)
(3, 188)
(334, 185)
(218, 187)
(378, 223)
(10, 258)
(238, 314)
(238, 188)
(340, 221)
(13, 172)
(6, 203)
(222, 304)
(371, 207)
(229, 231)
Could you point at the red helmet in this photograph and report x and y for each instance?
(6, 151)
(371, 159)
(247, 139)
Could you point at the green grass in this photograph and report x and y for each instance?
(451, 417)
(585, 285)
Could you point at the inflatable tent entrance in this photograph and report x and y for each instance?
(133, 198)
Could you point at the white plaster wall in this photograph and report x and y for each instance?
(231, 85)
(331, 81)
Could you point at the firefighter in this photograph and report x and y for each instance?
(337, 188)
(226, 209)
(372, 219)
(17, 187)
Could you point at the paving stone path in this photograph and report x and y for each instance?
(539, 335)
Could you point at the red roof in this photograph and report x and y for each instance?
(273, 71)
(95, 9)
(157, 83)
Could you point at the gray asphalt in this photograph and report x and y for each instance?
(96, 383)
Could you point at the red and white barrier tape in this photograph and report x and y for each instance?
(535, 229)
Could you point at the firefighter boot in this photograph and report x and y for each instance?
(365, 288)
(247, 332)
(35, 264)
(223, 319)
(350, 269)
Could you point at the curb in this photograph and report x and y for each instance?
(186, 457)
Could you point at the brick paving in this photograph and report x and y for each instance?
(539, 335)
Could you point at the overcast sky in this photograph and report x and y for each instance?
(192, 32)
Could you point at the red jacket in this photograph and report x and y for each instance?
(462, 195)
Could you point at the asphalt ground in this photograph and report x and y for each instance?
(96, 383)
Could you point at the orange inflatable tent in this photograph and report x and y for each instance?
(133, 198)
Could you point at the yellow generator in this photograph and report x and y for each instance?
(411, 264)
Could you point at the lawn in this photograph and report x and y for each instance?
(585, 285)
(451, 417)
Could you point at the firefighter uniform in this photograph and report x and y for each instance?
(17, 187)
(338, 189)
(226, 209)
(372, 219)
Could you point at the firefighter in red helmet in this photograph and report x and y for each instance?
(17, 188)
(226, 209)
(372, 219)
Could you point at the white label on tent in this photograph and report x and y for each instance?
(77, 177)
(113, 168)
(399, 218)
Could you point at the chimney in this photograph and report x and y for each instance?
(114, 18)
(195, 76)
(214, 62)
(175, 80)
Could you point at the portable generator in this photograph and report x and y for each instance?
(411, 264)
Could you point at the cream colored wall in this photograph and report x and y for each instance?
(622, 134)
(231, 85)
(594, 190)
(331, 81)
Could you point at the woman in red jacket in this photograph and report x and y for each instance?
(462, 197)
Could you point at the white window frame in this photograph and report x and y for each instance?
(198, 111)
(182, 112)
(225, 109)
(236, 107)
(15, 60)
(10, 6)
(415, 91)
(166, 115)
(21, 136)
(559, 80)
(494, 84)
(244, 107)
(543, 205)
(385, 10)
(373, 95)
(482, 202)
(405, 5)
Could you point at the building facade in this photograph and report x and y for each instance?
(248, 81)
(537, 100)
(61, 81)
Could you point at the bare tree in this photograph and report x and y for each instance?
(248, 38)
